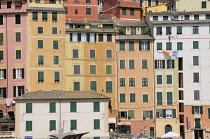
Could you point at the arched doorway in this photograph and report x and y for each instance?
(168, 128)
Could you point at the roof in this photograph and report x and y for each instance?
(92, 30)
(131, 23)
(181, 22)
(46, 9)
(49, 95)
(179, 13)
(135, 37)
(89, 22)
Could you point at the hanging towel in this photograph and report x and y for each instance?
(8, 102)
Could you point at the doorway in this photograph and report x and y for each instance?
(198, 134)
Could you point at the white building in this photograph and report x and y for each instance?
(43, 113)
(187, 35)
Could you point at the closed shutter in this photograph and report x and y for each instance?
(76, 86)
(54, 16)
(1, 37)
(131, 45)
(56, 59)
(92, 69)
(52, 107)
(109, 86)
(122, 64)
(179, 45)
(88, 11)
(55, 44)
(44, 15)
(52, 124)
(73, 124)
(57, 76)
(123, 11)
(169, 98)
(96, 123)
(159, 98)
(1, 55)
(145, 98)
(131, 114)
(203, 4)
(159, 46)
(14, 73)
(195, 44)
(18, 54)
(73, 107)
(93, 85)
(122, 98)
(122, 46)
(168, 46)
(35, 15)
(40, 30)
(5, 73)
(96, 106)
(108, 69)
(54, 30)
(40, 76)
(40, 43)
(131, 12)
(28, 107)
(28, 125)
(132, 97)
(169, 79)
(14, 92)
(18, 37)
(151, 115)
(108, 53)
(159, 79)
(168, 30)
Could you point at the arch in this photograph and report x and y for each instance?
(168, 128)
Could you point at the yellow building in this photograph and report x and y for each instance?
(90, 57)
(46, 36)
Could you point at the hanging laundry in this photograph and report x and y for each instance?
(175, 53)
(168, 52)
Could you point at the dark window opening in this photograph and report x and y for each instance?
(180, 80)
(181, 95)
(181, 107)
(17, 19)
(9, 4)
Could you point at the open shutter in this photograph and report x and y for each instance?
(5, 73)
(95, 37)
(164, 113)
(22, 73)
(155, 64)
(193, 110)
(70, 37)
(14, 91)
(88, 37)
(151, 115)
(168, 62)
(174, 113)
(79, 37)
(14, 73)
(163, 63)
(140, 43)
(148, 45)
(201, 109)
(209, 113)
(144, 114)
(157, 115)
(172, 64)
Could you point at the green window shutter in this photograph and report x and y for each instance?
(73, 107)
(169, 98)
(203, 4)
(159, 79)
(52, 125)
(148, 45)
(93, 85)
(159, 31)
(122, 82)
(40, 60)
(209, 113)
(163, 62)
(96, 123)
(57, 76)
(28, 107)
(18, 54)
(165, 17)
(92, 69)
(96, 138)
(123, 11)
(164, 113)
(195, 45)
(131, 114)
(132, 97)
(179, 29)
(159, 98)
(88, 11)
(169, 79)
(71, 35)
(28, 125)
(56, 60)
(122, 64)
(159, 46)
(88, 37)
(18, 36)
(79, 37)
(108, 53)
(179, 45)
(73, 124)
(186, 17)
(131, 45)
(40, 43)
(122, 98)
(144, 114)
(168, 30)
(40, 30)
(54, 16)
(108, 69)
(34, 15)
(151, 115)
(96, 106)
(168, 46)
(149, 2)
(40, 76)
(54, 30)
(145, 98)
(144, 64)
(76, 86)
(55, 44)
(193, 110)
(131, 64)
(109, 86)
(131, 12)
(201, 109)
(174, 113)
(1, 37)
(1, 55)
(52, 107)
(14, 95)
(44, 15)
(122, 46)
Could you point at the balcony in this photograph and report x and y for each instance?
(13, 7)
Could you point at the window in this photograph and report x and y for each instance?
(54, 30)
(92, 53)
(18, 36)
(155, 18)
(37, 1)
(168, 46)
(17, 19)
(92, 69)
(144, 63)
(159, 64)
(159, 31)
(159, 46)
(76, 86)
(109, 86)
(131, 64)
(169, 113)
(88, 11)
(107, 26)
(73, 124)
(56, 60)
(44, 16)
(196, 77)
(35, 15)
(66, 10)
(76, 69)
(131, 12)
(195, 29)
(93, 85)
(40, 44)
(149, 2)
(123, 11)
(143, 31)
(108, 53)
(54, 16)
(179, 45)
(186, 17)
(28, 125)
(52, 125)
(195, 45)
(56, 76)
(169, 79)
(207, 16)
(131, 114)
(196, 95)
(195, 60)
(122, 114)
(197, 110)
(131, 45)
(55, 44)
(3, 74)
(131, 82)
(73, 106)
(203, 4)
(40, 30)
(52, 107)
(179, 30)
(96, 106)
(144, 81)
(196, 17)
(18, 91)
(122, 64)
(209, 113)
(18, 73)
(96, 123)
(18, 54)
(100, 37)
(40, 76)
(159, 79)
(108, 69)
(1, 19)
(40, 60)
(170, 64)
(28, 107)
(75, 53)
(147, 115)
(145, 98)
(3, 92)
(168, 30)
(1, 55)
(122, 46)
(169, 98)
(122, 97)
(166, 113)
(76, 11)
(159, 98)
(144, 46)
(122, 82)
(165, 17)
(132, 97)
(109, 37)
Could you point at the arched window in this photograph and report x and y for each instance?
(168, 128)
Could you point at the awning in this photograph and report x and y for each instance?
(112, 120)
(69, 135)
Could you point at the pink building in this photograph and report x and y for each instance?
(13, 47)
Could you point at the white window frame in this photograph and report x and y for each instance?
(159, 64)
(169, 113)
(74, 37)
(1, 74)
(147, 114)
(170, 64)
(92, 37)
(197, 108)
(18, 73)
(144, 46)
(83, 37)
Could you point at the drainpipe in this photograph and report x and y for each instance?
(117, 86)
(7, 59)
